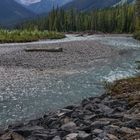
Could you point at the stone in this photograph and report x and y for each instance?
(132, 117)
(69, 126)
(56, 138)
(70, 107)
(103, 136)
(27, 131)
(16, 136)
(16, 125)
(112, 121)
(11, 136)
(84, 136)
(97, 138)
(112, 137)
(99, 124)
(90, 117)
(66, 120)
(127, 130)
(85, 102)
(2, 132)
(116, 116)
(6, 136)
(105, 109)
(97, 131)
(72, 136)
(112, 128)
(41, 136)
(132, 124)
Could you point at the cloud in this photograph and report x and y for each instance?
(28, 2)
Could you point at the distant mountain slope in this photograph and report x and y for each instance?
(84, 5)
(45, 6)
(12, 12)
(124, 1)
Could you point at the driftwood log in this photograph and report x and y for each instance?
(44, 50)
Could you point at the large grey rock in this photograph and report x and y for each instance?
(97, 131)
(56, 138)
(103, 136)
(27, 131)
(72, 136)
(127, 130)
(69, 126)
(97, 138)
(41, 136)
(84, 136)
(100, 124)
(105, 109)
(11, 136)
(112, 129)
(112, 137)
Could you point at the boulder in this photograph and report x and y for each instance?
(127, 130)
(71, 126)
(27, 131)
(100, 124)
(112, 137)
(105, 109)
(11, 136)
(112, 129)
(97, 131)
(84, 136)
(56, 138)
(72, 136)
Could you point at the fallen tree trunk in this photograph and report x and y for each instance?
(44, 50)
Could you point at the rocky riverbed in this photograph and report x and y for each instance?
(108, 117)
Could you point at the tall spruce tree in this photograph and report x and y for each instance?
(138, 16)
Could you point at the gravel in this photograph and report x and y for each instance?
(74, 54)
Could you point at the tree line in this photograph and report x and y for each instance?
(117, 19)
(137, 29)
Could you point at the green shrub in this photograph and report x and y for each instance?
(137, 35)
(7, 36)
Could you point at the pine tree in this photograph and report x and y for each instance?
(138, 15)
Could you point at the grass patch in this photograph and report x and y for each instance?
(127, 89)
(137, 35)
(7, 36)
(127, 85)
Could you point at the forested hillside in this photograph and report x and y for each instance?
(119, 19)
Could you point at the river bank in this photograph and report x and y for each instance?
(114, 115)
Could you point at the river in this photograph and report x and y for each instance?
(26, 93)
